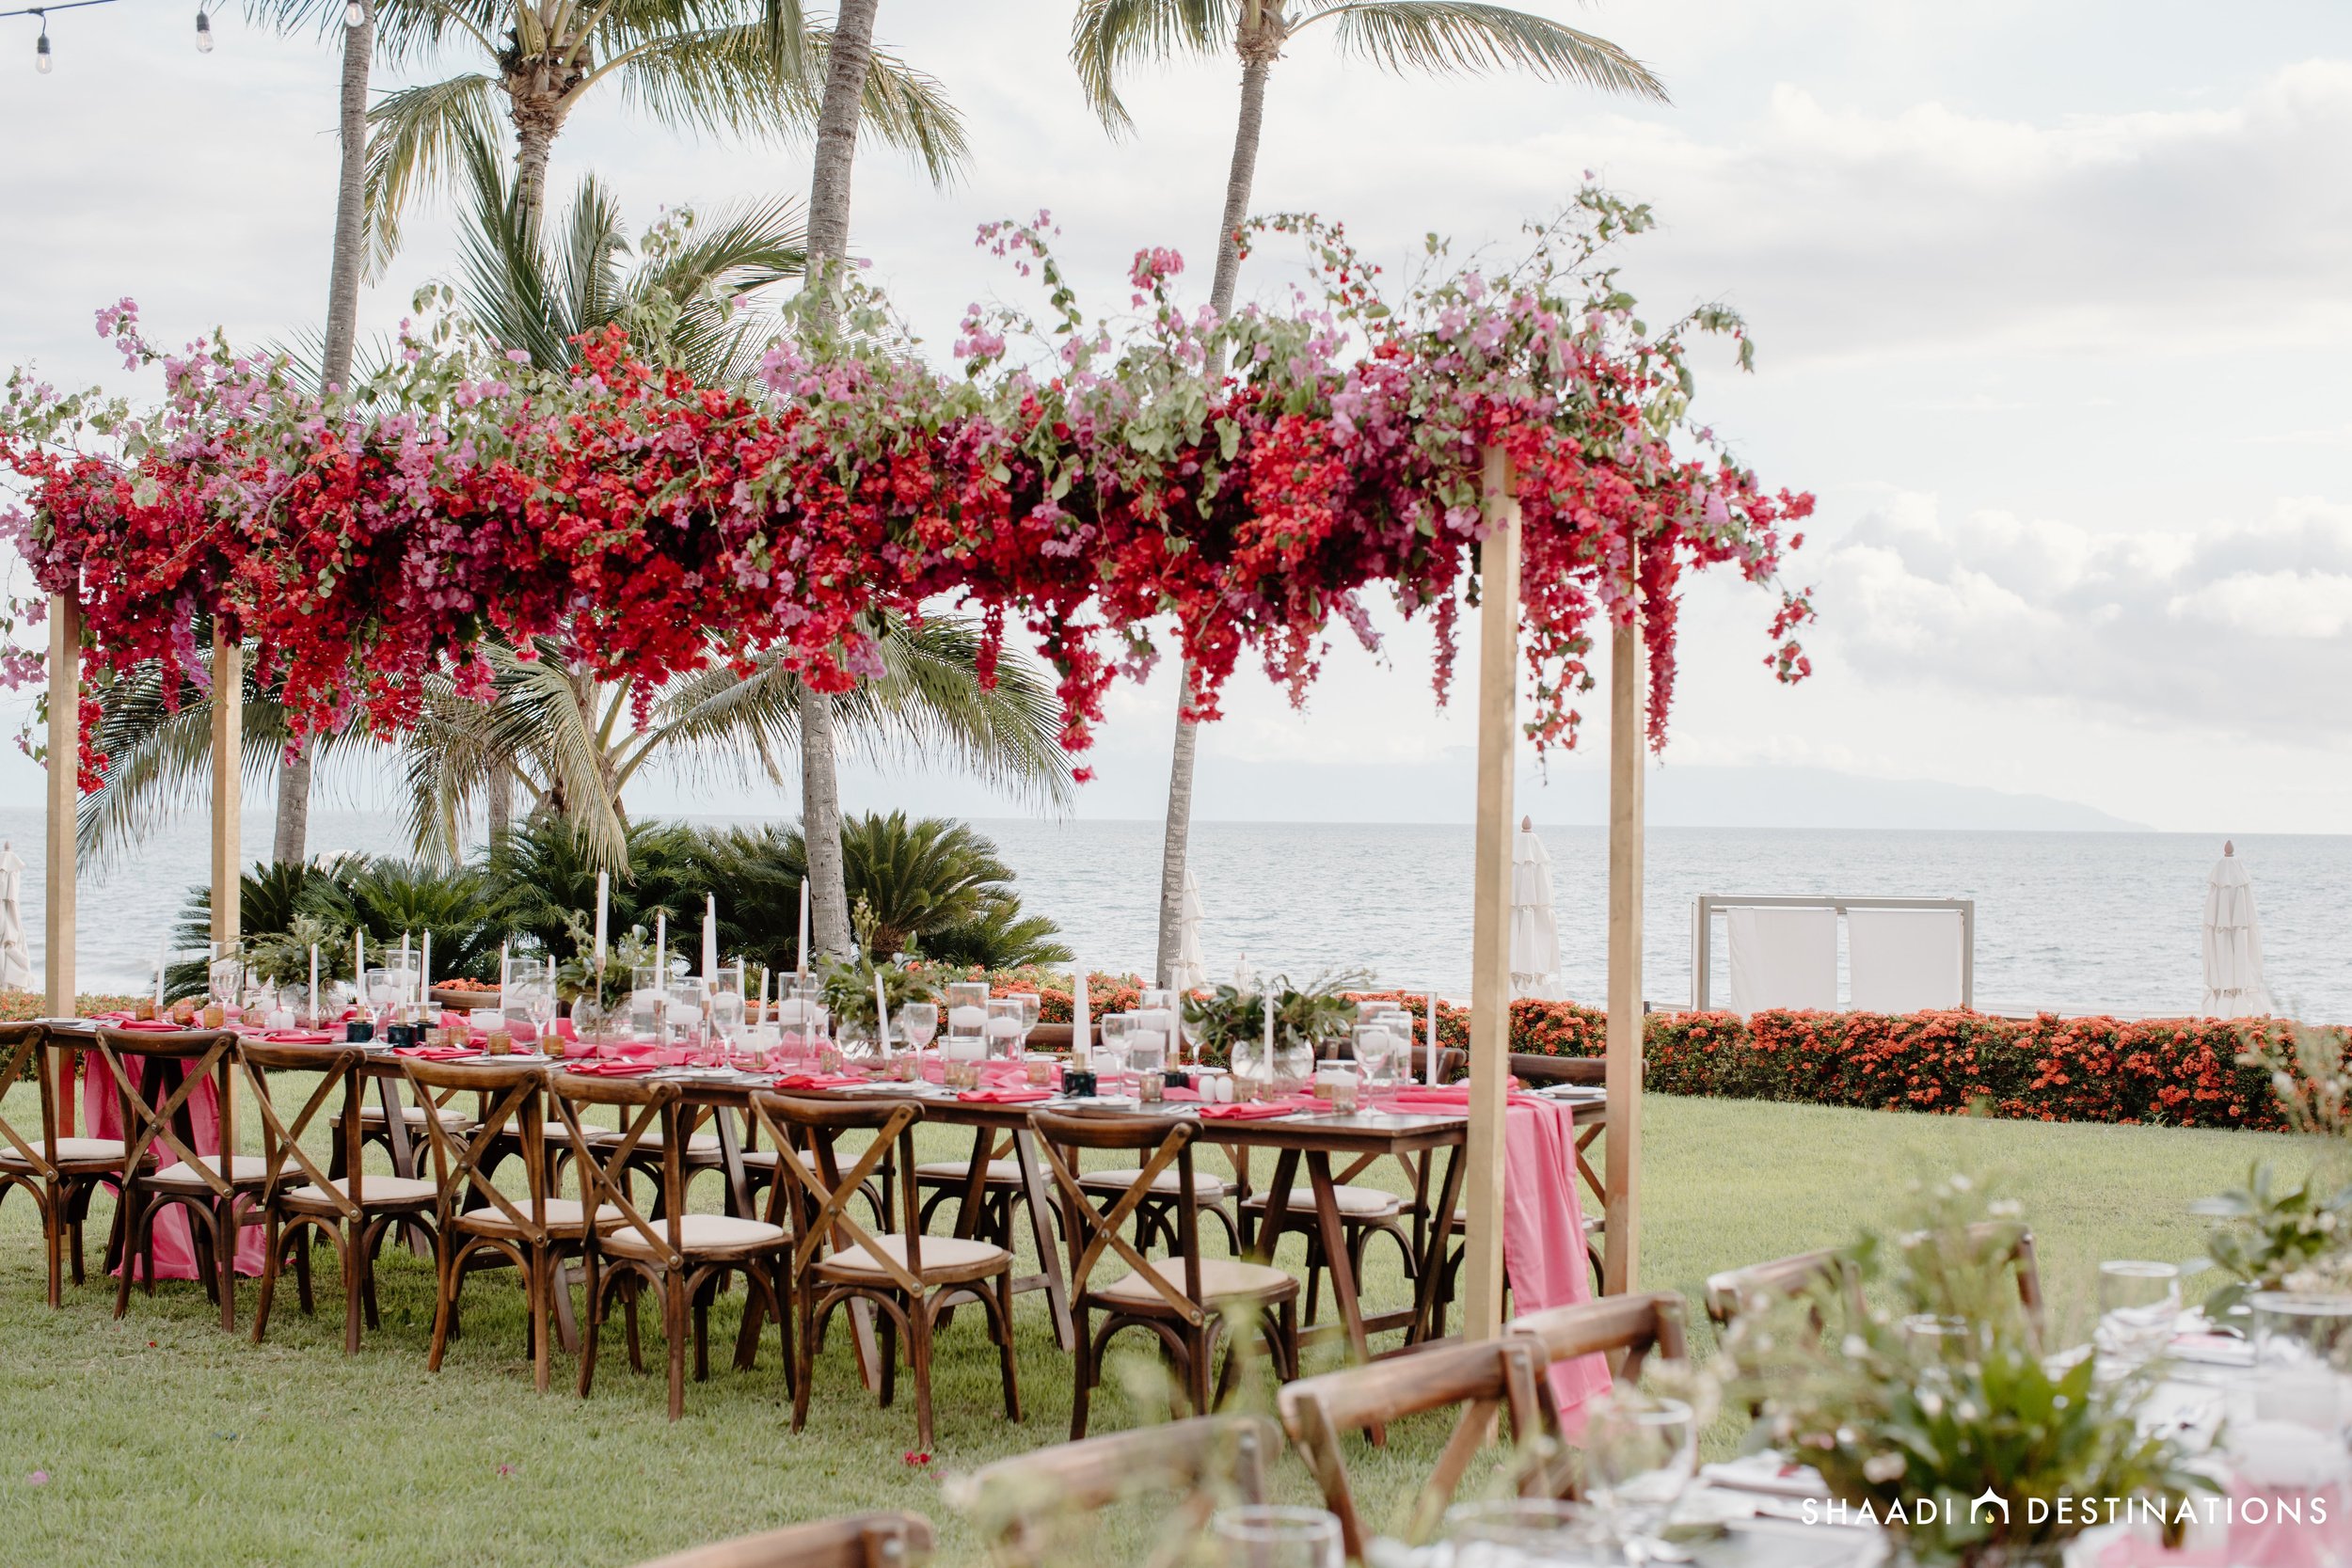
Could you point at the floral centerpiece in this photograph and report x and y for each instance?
(849, 989)
(1227, 1023)
(1916, 1383)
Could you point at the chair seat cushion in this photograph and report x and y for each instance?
(71, 1152)
(1001, 1173)
(1354, 1203)
(1594, 1224)
(946, 1260)
(698, 1233)
(698, 1142)
(563, 1215)
(377, 1192)
(243, 1169)
(1205, 1188)
(372, 1116)
(1221, 1279)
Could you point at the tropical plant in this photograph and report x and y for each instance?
(726, 68)
(547, 878)
(1439, 37)
(999, 936)
(1895, 1419)
(2265, 1232)
(849, 988)
(1314, 1015)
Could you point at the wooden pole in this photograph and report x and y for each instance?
(1490, 929)
(58, 862)
(1621, 1256)
(228, 785)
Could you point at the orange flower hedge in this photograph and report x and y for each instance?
(2181, 1071)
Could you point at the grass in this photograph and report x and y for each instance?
(159, 1434)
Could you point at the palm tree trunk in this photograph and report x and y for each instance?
(851, 56)
(1258, 51)
(291, 842)
(535, 128)
(500, 808)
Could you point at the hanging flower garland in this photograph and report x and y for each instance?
(647, 526)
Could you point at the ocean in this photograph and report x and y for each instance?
(2084, 922)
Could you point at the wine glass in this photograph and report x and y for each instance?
(1640, 1454)
(1030, 1004)
(1399, 1023)
(1376, 1053)
(1264, 1537)
(917, 1022)
(1110, 1051)
(2140, 1302)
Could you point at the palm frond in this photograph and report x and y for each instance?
(416, 146)
(726, 81)
(1448, 35)
(589, 266)
(705, 284)
(1110, 36)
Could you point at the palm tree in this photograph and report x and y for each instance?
(742, 68)
(849, 73)
(1434, 36)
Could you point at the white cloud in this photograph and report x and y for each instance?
(2243, 626)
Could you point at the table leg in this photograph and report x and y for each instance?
(1277, 1198)
(1333, 1236)
(1434, 1247)
(1042, 1230)
(731, 1160)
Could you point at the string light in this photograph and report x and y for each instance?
(43, 61)
(203, 32)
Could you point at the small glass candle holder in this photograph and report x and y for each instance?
(1001, 1027)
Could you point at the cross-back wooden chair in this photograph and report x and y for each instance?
(1483, 1378)
(2010, 1243)
(1187, 1301)
(909, 1277)
(861, 1541)
(1736, 1292)
(1028, 1506)
(162, 1164)
(682, 1257)
(1632, 1331)
(948, 1181)
(478, 1224)
(56, 1170)
(300, 1202)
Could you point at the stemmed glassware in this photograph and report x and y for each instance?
(1639, 1455)
(917, 1022)
(2139, 1303)
(1265, 1537)
(1111, 1050)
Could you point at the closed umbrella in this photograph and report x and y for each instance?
(2233, 943)
(1534, 932)
(1191, 970)
(16, 959)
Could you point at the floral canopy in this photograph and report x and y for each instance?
(370, 540)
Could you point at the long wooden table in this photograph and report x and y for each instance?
(1307, 1140)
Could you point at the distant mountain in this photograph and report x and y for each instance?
(1765, 796)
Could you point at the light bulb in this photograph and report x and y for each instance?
(42, 61)
(355, 12)
(203, 33)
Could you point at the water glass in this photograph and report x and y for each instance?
(384, 990)
(967, 1019)
(1399, 1023)
(2302, 1332)
(1156, 1012)
(1001, 1025)
(1640, 1454)
(2139, 1303)
(1262, 1537)
(1537, 1530)
(1379, 1053)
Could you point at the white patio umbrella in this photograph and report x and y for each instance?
(1534, 932)
(2233, 943)
(16, 959)
(1191, 970)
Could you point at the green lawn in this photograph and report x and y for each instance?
(159, 1436)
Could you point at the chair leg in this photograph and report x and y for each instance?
(129, 1218)
(275, 1246)
(702, 1330)
(1003, 1346)
(302, 1271)
(592, 1323)
(444, 1300)
(673, 1331)
(53, 1240)
(803, 1360)
(919, 1329)
(630, 1287)
(351, 1254)
(537, 1280)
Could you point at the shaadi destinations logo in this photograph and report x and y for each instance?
(1993, 1508)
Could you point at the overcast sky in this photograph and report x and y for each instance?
(2052, 299)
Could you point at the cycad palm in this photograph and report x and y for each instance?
(1439, 37)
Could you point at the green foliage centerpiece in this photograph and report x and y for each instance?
(1914, 1381)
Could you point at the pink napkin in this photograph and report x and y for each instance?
(1257, 1110)
(611, 1069)
(819, 1080)
(153, 1026)
(1005, 1094)
(437, 1052)
(298, 1037)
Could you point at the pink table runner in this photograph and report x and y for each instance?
(1543, 1219)
(175, 1253)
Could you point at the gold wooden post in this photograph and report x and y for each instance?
(1490, 929)
(228, 785)
(58, 867)
(1621, 1257)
